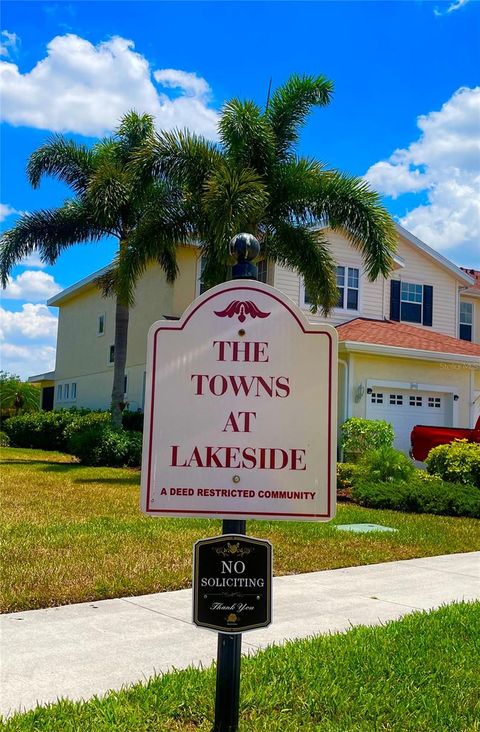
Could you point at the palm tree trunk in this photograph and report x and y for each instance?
(120, 357)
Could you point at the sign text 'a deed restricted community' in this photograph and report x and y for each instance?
(240, 415)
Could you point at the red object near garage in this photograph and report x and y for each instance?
(423, 438)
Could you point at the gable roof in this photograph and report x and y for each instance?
(400, 335)
(475, 274)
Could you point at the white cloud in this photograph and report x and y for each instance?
(451, 8)
(33, 260)
(30, 323)
(32, 285)
(27, 361)
(191, 83)
(7, 210)
(28, 340)
(445, 163)
(9, 43)
(83, 88)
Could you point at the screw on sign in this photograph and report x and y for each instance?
(240, 422)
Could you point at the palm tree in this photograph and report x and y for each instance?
(17, 396)
(254, 181)
(109, 200)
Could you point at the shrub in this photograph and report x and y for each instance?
(51, 430)
(385, 464)
(4, 440)
(82, 422)
(103, 445)
(42, 431)
(132, 421)
(458, 462)
(360, 435)
(345, 475)
(422, 494)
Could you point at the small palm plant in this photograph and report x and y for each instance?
(17, 396)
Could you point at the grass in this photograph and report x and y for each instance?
(418, 674)
(72, 534)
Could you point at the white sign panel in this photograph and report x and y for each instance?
(240, 413)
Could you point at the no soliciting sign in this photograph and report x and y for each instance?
(232, 583)
(240, 414)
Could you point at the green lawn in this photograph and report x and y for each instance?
(73, 534)
(418, 674)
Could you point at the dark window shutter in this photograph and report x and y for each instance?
(427, 305)
(395, 300)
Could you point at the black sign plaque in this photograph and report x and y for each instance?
(232, 583)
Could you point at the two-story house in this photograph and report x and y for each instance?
(409, 344)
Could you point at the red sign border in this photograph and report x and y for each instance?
(251, 514)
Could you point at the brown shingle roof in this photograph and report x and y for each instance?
(475, 273)
(401, 335)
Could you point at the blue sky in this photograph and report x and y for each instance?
(405, 112)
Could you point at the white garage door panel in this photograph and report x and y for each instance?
(405, 408)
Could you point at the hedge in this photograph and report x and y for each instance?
(421, 494)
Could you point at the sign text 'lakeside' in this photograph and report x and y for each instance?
(239, 385)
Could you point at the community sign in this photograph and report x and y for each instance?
(240, 413)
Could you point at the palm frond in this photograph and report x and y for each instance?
(63, 159)
(134, 129)
(108, 193)
(290, 105)
(179, 155)
(348, 203)
(291, 184)
(246, 136)
(48, 232)
(234, 200)
(308, 253)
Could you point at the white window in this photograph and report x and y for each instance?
(348, 279)
(411, 302)
(200, 288)
(466, 321)
(396, 399)
(73, 394)
(415, 401)
(347, 284)
(111, 355)
(262, 267)
(377, 398)
(435, 402)
(125, 384)
(101, 324)
(66, 392)
(59, 392)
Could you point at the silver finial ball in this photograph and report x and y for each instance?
(244, 247)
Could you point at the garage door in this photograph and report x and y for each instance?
(406, 408)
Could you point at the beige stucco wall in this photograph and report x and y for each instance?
(453, 376)
(83, 356)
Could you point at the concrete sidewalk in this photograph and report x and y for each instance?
(80, 650)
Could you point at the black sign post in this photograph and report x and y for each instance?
(232, 592)
(244, 247)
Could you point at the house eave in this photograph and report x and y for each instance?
(77, 287)
(48, 376)
(379, 349)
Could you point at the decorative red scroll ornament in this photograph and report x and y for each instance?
(242, 309)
